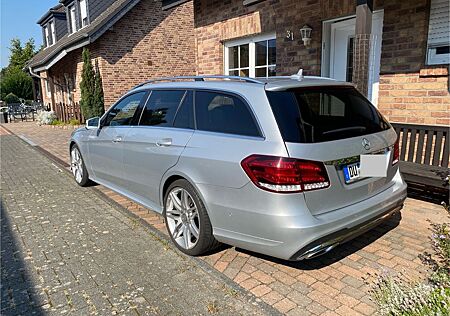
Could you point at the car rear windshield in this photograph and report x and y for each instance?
(320, 114)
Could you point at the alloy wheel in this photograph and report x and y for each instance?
(76, 165)
(182, 218)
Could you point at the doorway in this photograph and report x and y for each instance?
(337, 51)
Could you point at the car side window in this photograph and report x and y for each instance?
(185, 115)
(224, 113)
(161, 108)
(124, 111)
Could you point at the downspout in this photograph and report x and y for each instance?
(35, 74)
(48, 81)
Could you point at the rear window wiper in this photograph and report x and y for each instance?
(345, 129)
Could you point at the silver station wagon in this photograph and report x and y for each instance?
(272, 166)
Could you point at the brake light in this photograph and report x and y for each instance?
(396, 155)
(285, 175)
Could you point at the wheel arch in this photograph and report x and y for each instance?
(72, 143)
(171, 177)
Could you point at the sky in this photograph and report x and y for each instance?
(18, 20)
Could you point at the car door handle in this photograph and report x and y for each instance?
(118, 139)
(164, 142)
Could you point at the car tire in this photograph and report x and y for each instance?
(78, 167)
(183, 225)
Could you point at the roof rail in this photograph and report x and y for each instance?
(199, 78)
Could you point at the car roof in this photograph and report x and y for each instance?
(231, 83)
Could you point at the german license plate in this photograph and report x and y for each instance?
(351, 172)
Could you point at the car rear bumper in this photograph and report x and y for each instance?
(281, 225)
(331, 241)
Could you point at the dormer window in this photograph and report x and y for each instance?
(72, 19)
(52, 32)
(47, 36)
(83, 13)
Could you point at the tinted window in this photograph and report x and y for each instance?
(123, 112)
(323, 114)
(223, 113)
(185, 115)
(161, 107)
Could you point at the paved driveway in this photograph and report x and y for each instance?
(66, 250)
(334, 284)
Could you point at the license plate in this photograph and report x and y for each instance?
(351, 172)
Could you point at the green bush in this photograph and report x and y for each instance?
(74, 122)
(12, 98)
(395, 296)
(57, 123)
(92, 99)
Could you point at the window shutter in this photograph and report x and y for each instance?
(439, 28)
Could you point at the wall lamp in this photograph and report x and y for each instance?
(305, 32)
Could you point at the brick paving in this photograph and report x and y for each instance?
(65, 250)
(333, 284)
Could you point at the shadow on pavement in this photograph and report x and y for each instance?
(339, 252)
(18, 293)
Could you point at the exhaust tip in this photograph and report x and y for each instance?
(317, 251)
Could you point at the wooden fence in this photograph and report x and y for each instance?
(66, 112)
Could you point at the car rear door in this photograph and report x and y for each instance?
(334, 125)
(155, 145)
(105, 145)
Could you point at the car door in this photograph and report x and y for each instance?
(105, 144)
(155, 145)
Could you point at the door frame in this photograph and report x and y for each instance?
(327, 51)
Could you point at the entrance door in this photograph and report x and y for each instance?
(337, 61)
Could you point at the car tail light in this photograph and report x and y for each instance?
(396, 155)
(285, 175)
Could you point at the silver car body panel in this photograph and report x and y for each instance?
(242, 214)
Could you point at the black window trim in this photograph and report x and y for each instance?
(136, 122)
(150, 91)
(133, 120)
(243, 100)
(318, 88)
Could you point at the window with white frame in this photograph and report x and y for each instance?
(46, 35)
(251, 57)
(48, 92)
(438, 50)
(72, 19)
(83, 13)
(52, 31)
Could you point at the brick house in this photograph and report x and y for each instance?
(396, 52)
(132, 40)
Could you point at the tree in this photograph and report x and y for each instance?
(13, 78)
(87, 86)
(16, 81)
(99, 98)
(20, 55)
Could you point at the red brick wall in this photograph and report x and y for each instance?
(146, 43)
(218, 21)
(409, 90)
(417, 97)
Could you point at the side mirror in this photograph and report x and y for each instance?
(93, 123)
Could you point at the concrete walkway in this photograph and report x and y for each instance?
(334, 284)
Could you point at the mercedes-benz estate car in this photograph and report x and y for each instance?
(272, 166)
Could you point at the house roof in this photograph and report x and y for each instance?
(47, 57)
(57, 9)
